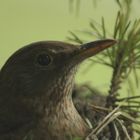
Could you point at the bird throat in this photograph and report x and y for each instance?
(62, 118)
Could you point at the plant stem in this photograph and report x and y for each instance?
(116, 80)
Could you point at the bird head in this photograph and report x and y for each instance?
(46, 67)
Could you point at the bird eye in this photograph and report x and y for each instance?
(43, 59)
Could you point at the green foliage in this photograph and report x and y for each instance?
(125, 56)
(123, 59)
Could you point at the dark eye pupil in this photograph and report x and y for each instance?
(43, 59)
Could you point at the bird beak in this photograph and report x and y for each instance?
(92, 48)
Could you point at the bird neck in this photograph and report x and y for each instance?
(61, 113)
(62, 87)
(65, 119)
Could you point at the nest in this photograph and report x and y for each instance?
(121, 122)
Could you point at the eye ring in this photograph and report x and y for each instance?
(43, 59)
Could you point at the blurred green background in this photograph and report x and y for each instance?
(26, 21)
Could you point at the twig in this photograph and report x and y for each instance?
(124, 129)
(99, 108)
(128, 98)
(109, 118)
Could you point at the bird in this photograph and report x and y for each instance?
(36, 84)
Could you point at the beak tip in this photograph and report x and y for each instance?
(110, 42)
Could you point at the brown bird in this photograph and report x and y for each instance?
(36, 86)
